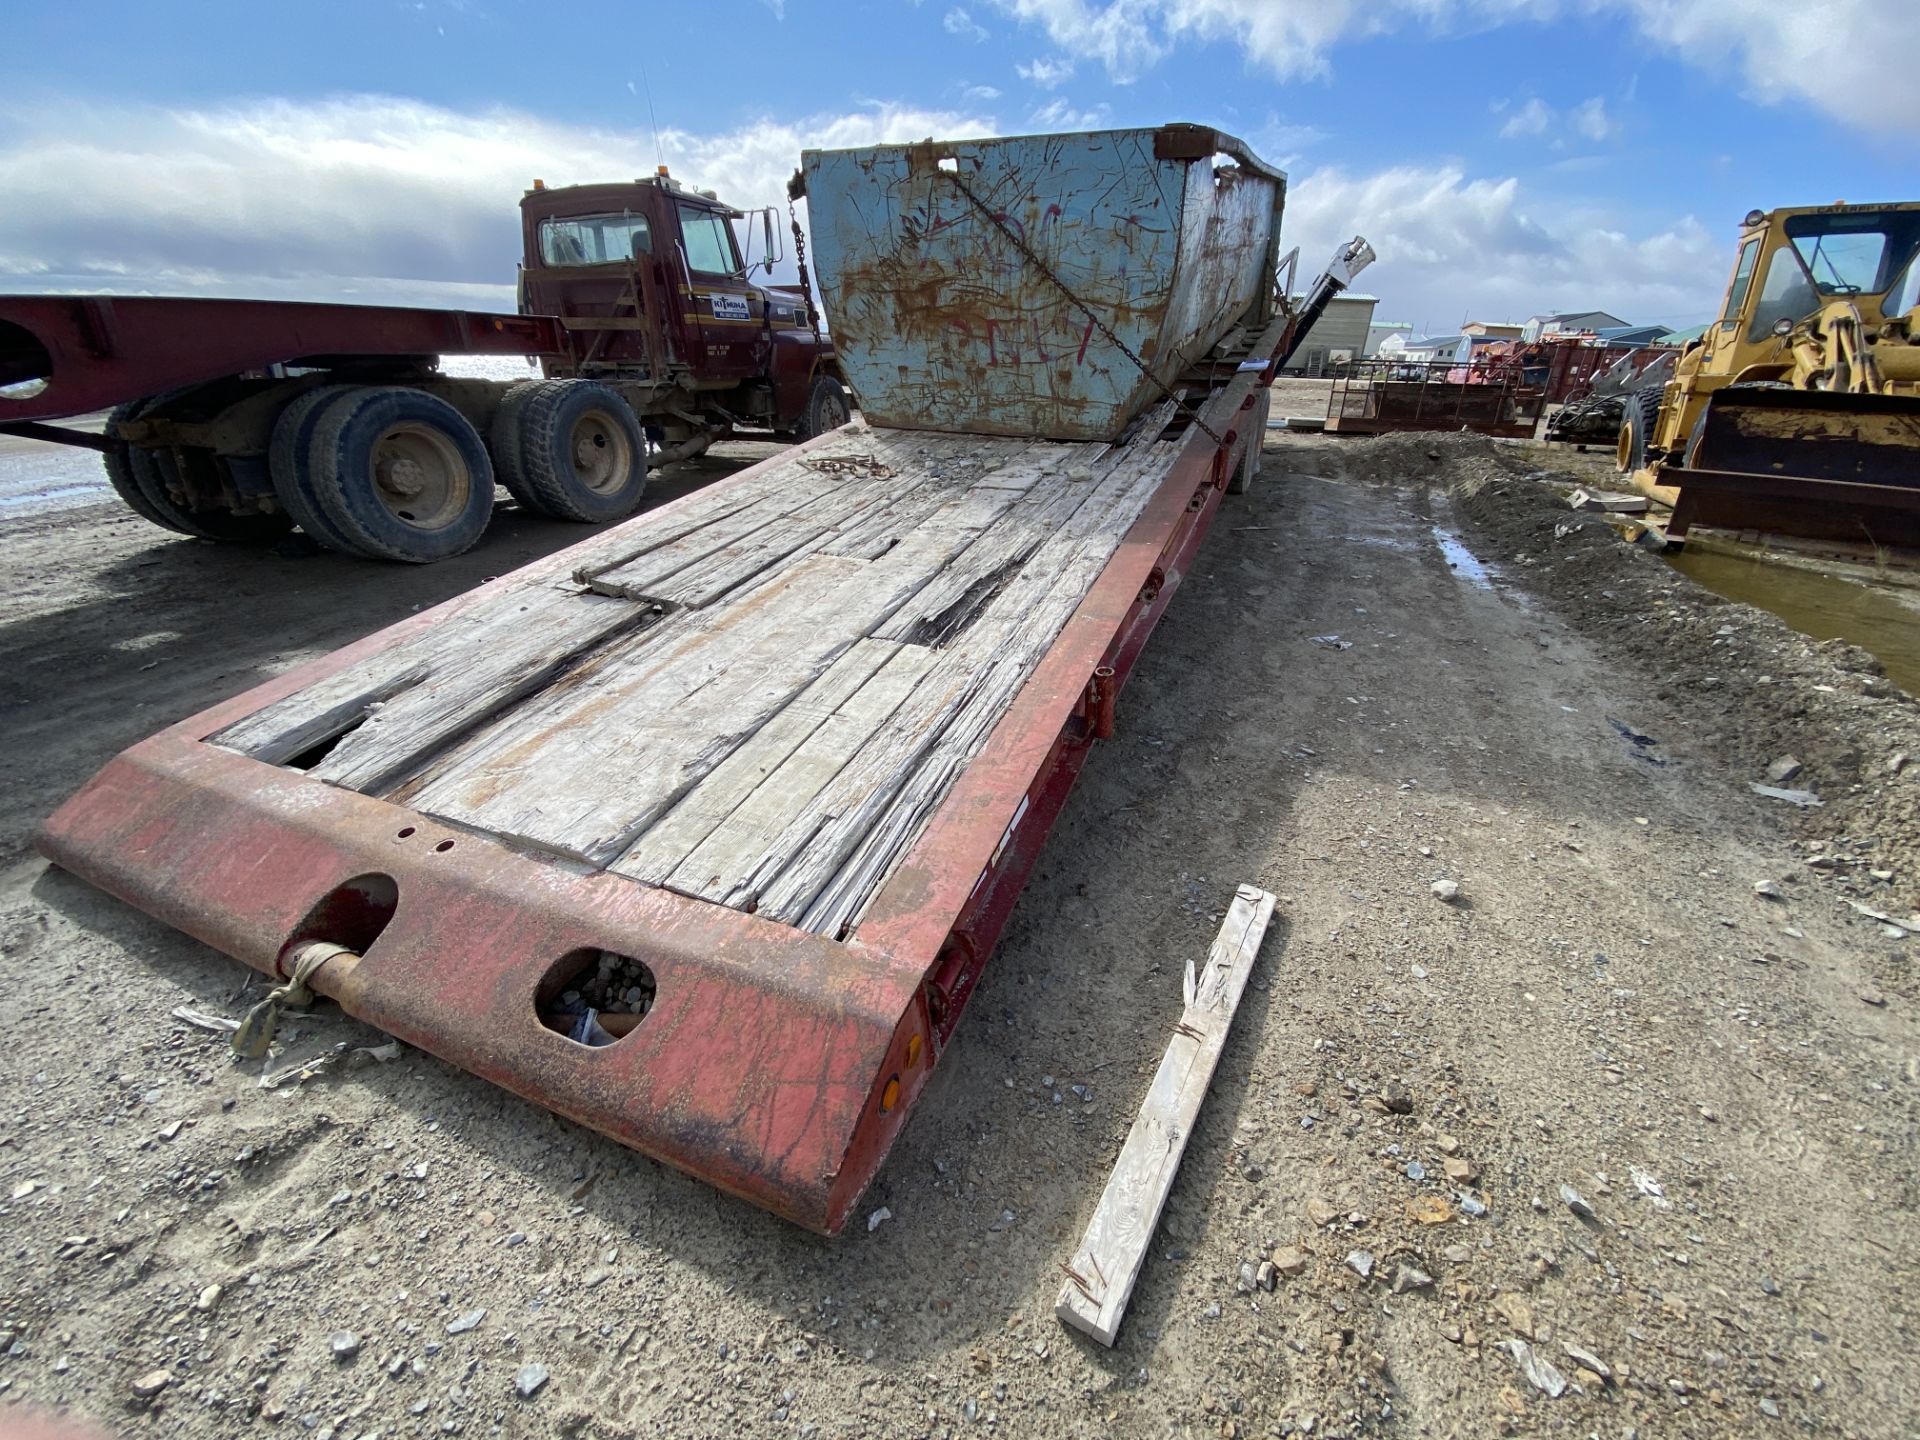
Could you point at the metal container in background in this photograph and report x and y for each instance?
(996, 287)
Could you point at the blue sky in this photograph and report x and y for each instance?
(1504, 156)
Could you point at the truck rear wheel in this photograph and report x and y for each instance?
(293, 473)
(1248, 470)
(581, 453)
(827, 407)
(504, 443)
(150, 483)
(398, 474)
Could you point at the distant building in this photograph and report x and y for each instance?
(1434, 349)
(1635, 334)
(1337, 337)
(1382, 331)
(1500, 330)
(1570, 322)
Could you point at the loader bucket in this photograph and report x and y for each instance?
(1810, 463)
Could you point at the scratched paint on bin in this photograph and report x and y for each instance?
(944, 324)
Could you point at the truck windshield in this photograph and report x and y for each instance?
(709, 240)
(594, 239)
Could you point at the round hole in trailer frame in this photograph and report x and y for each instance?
(595, 998)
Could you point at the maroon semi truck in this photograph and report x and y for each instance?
(239, 419)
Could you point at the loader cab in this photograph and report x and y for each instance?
(1793, 262)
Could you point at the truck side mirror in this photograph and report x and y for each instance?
(766, 217)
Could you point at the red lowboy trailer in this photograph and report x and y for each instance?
(701, 832)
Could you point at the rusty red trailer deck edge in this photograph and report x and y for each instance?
(776, 1064)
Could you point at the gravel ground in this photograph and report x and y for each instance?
(1609, 1143)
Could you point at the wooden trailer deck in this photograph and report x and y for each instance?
(754, 696)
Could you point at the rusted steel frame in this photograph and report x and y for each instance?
(102, 352)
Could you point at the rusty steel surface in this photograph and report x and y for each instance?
(954, 304)
(776, 1064)
(64, 355)
(1373, 396)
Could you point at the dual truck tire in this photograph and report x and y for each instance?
(391, 473)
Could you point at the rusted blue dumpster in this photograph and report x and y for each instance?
(997, 286)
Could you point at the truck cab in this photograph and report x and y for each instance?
(650, 282)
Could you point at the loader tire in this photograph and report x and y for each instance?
(1248, 470)
(1636, 429)
(582, 456)
(150, 483)
(288, 463)
(504, 442)
(399, 474)
(827, 407)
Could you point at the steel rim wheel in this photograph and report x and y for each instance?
(420, 477)
(602, 457)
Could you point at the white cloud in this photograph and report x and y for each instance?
(1057, 114)
(1450, 245)
(959, 22)
(1532, 118)
(1828, 55)
(1047, 72)
(980, 93)
(1590, 118)
(359, 197)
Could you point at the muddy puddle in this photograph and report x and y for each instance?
(1883, 620)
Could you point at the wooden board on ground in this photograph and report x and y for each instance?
(1101, 1275)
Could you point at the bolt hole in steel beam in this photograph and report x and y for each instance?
(443, 847)
(352, 914)
(595, 997)
(26, 369)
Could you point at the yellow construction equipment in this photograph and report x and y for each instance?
(1798, 413)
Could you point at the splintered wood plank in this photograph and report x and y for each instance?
(1103, 1270)
(810, 851)
(585, 768)
(958, 593)
(405, 701)
(1001, 652)
(799, 532)
(709, 871)
(479, 671)
(655, 854)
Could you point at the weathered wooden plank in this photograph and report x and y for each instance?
(711, 868)
(999, 653)
(479, 670)
(406, 701)
(959, 592)
(1103, 1270)
(583, 770)
(811, 851)
(655, 854)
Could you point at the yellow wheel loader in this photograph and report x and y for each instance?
(1798, 413)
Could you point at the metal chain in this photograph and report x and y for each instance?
(800, 259)
(1081, 305)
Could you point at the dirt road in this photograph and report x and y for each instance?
(1370, 685)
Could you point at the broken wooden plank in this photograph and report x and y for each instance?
(585, 770)
(810, 853)
(1101, 1275)
(712, 868)
(656, 853)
